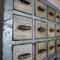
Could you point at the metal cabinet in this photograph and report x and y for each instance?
(29, 23)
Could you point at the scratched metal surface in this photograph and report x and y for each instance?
(7, 30)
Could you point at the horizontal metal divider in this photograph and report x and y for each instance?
(33, 41)
(33, 17)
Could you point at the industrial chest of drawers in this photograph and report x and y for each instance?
(31, 30)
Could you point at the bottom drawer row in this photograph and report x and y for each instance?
(41, 50)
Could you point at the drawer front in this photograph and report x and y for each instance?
(22, 52)
(57, 30)
(40, 29)
(57, 16)
(51, 47)
(22, 28)
(51, 14)
(23, 5)
(51, 30)
(41, 51)
(40, 9)
(58, 45)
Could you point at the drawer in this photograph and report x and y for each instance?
(40, 29)
(22, 52)
(23, 5)
(40, 9)
(57, 16)
(22, 28)
(51, 47)
(41, 51)
(58, 45)
(51, 30)
(57, 31)
(51, 14)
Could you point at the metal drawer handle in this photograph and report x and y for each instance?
(41, 51)
(23, 27)
(58, 45)
(52, 30)
(41, 8)
(58, 16)
(24, 56)
(51, 13)
(41, 29)
(52, 47)
(58, 30)
(26, 1)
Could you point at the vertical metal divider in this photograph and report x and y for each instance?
(7, 30)
(46, 30)
(33, 7)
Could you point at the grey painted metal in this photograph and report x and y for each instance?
(7, 30)
(7, 33)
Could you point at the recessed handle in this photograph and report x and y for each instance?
(41, 8)
(52, 47)
(41, 29)
(24, 56)
(52, 30)
(51, 13)
(58, 16)
(26, 1)
(41, 51)
(58, 30)
(58, 45)
(23, 27)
